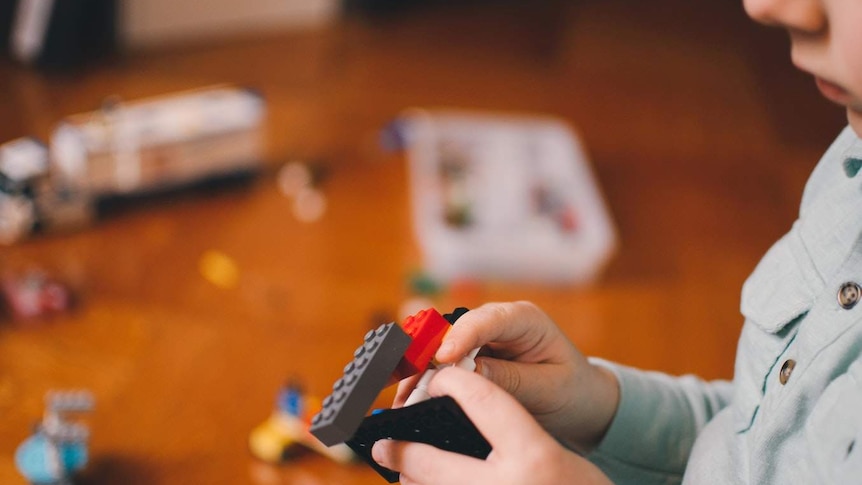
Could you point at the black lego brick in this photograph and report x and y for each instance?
(364, 378)
(439, 422)
(455, 315)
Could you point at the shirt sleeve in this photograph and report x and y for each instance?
(656, 423)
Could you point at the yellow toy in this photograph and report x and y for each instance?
(286, 432)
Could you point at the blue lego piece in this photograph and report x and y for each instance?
(57, 450)
(290, 400)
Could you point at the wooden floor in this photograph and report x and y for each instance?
(700, 131)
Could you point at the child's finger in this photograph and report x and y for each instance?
(420, 463)
(520, 324)
(495, 413)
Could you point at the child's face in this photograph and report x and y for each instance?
(826, 39)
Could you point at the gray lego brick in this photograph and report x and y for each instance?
(364, 378)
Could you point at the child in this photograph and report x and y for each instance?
(793, 413)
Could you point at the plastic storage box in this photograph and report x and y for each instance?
(503, 197)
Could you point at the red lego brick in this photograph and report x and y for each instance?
(427, 329)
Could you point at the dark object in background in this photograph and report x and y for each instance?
(538, 35)
(376, 7)
(59, 34)
(386, 7)
(7, 13)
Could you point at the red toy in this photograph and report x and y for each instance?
(427, 329)
(34, 294)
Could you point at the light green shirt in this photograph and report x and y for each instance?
(765, 428)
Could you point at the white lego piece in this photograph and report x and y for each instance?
(420, 392)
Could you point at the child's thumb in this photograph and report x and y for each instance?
(504, 373)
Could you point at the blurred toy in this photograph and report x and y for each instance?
(219, 269)
(388, 354)
(126, 151)
(34, 294)
(286, 432)
(301, 183)
(502, 197)
(158, 144)
(23, 164)
(57, 450)
(421, 283)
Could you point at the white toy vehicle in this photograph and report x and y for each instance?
(127, 151)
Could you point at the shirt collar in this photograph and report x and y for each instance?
(796, 269)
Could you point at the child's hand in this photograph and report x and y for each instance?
(534, 361)
(522, 451)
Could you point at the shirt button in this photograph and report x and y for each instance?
(849, 294)
(852, 166)
(786, 370)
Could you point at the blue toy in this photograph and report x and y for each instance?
(58, 448)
